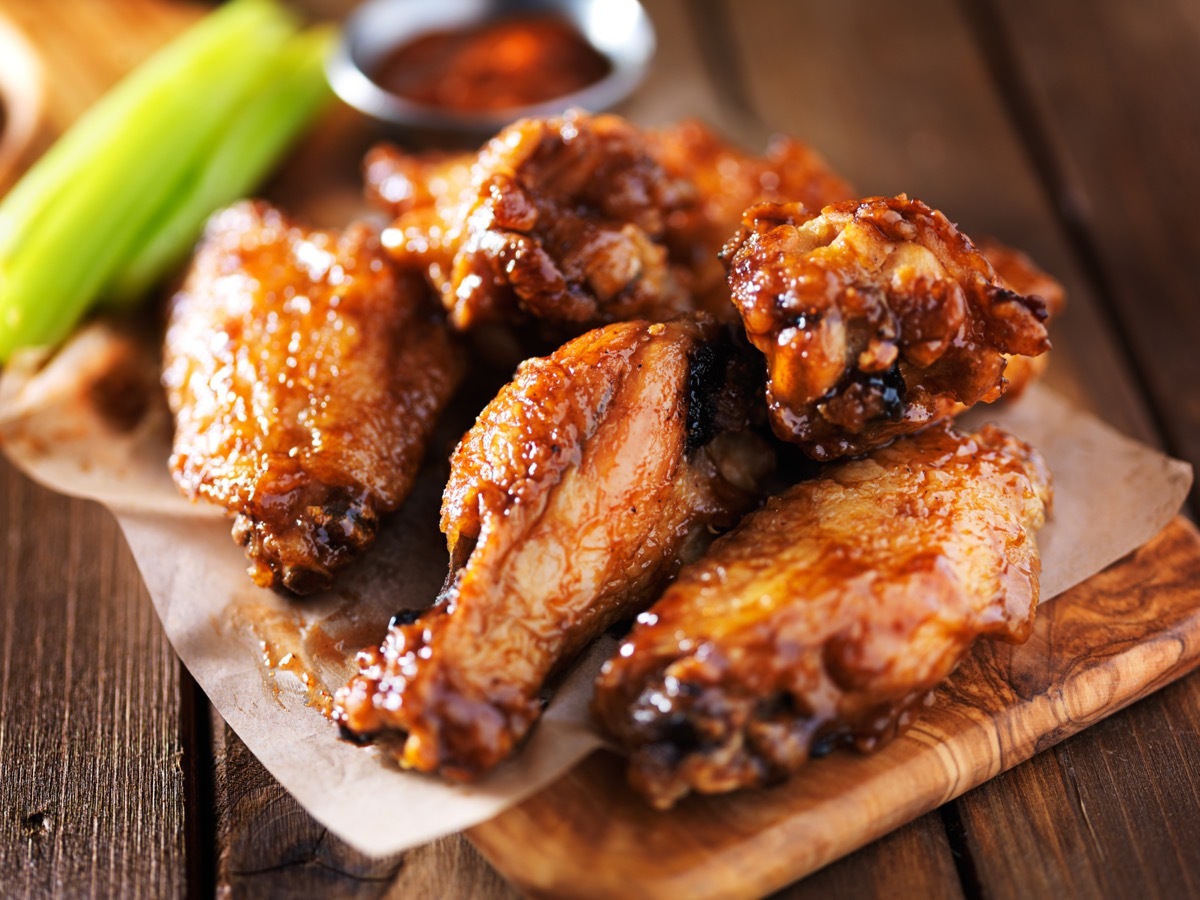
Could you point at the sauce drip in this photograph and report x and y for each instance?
(499, 65)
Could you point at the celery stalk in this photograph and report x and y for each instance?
(70, 231)
(252, 142)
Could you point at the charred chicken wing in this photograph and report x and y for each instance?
(877, 317)
(574, 497)
(583, 220)
(305, 376)
(828, 614)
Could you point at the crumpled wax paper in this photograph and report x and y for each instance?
(91, 423)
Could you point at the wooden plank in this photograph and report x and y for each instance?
(1087, 826)
(90, 747)
(913, 861)
(1107, 93)
(1095, 649)
(269, 846)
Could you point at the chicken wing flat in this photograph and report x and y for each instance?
(305, 376)
(1020, 274)
(828, 614)
(877, 317)
(583, 220)
(574, 497)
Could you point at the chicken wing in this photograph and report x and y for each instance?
(583, 220)
(1020, 274)
(877, 317)
(724, 181)
(305, 376)
(574, 497)
(828, 614)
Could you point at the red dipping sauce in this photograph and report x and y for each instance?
(499, 65)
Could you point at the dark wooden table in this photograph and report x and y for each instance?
(1071, 129)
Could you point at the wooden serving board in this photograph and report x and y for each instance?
(1119, 636)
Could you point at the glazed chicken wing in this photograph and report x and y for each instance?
(305, 376)
(583, 220)
(562, 221)
(574, 497)
(828, 614)
(1021, 275)
(877, 317)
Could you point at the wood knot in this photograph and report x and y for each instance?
(37, 825)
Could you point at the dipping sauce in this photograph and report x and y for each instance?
(500, 65)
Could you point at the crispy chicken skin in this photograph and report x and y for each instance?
(583, 220)
(876, 316)
(829, 614)
(1020, 274)
(305, 376)
(571, 501)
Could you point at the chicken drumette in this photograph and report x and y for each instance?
(305, 375)
(829, 614)
(876, 317)
(571, 501)
(583, 220)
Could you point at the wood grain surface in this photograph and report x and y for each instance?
(91, 709)
(1068, 129)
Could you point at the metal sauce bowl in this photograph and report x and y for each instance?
(620, 30)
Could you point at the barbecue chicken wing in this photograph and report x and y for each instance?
(1021, 275)
(828, 614)
(583, 220)
(562, 220)
(876, 317)
(571, 501)
(305, 376)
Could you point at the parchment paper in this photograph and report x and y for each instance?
(268, 664)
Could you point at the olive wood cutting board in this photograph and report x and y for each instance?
(1119, 636)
